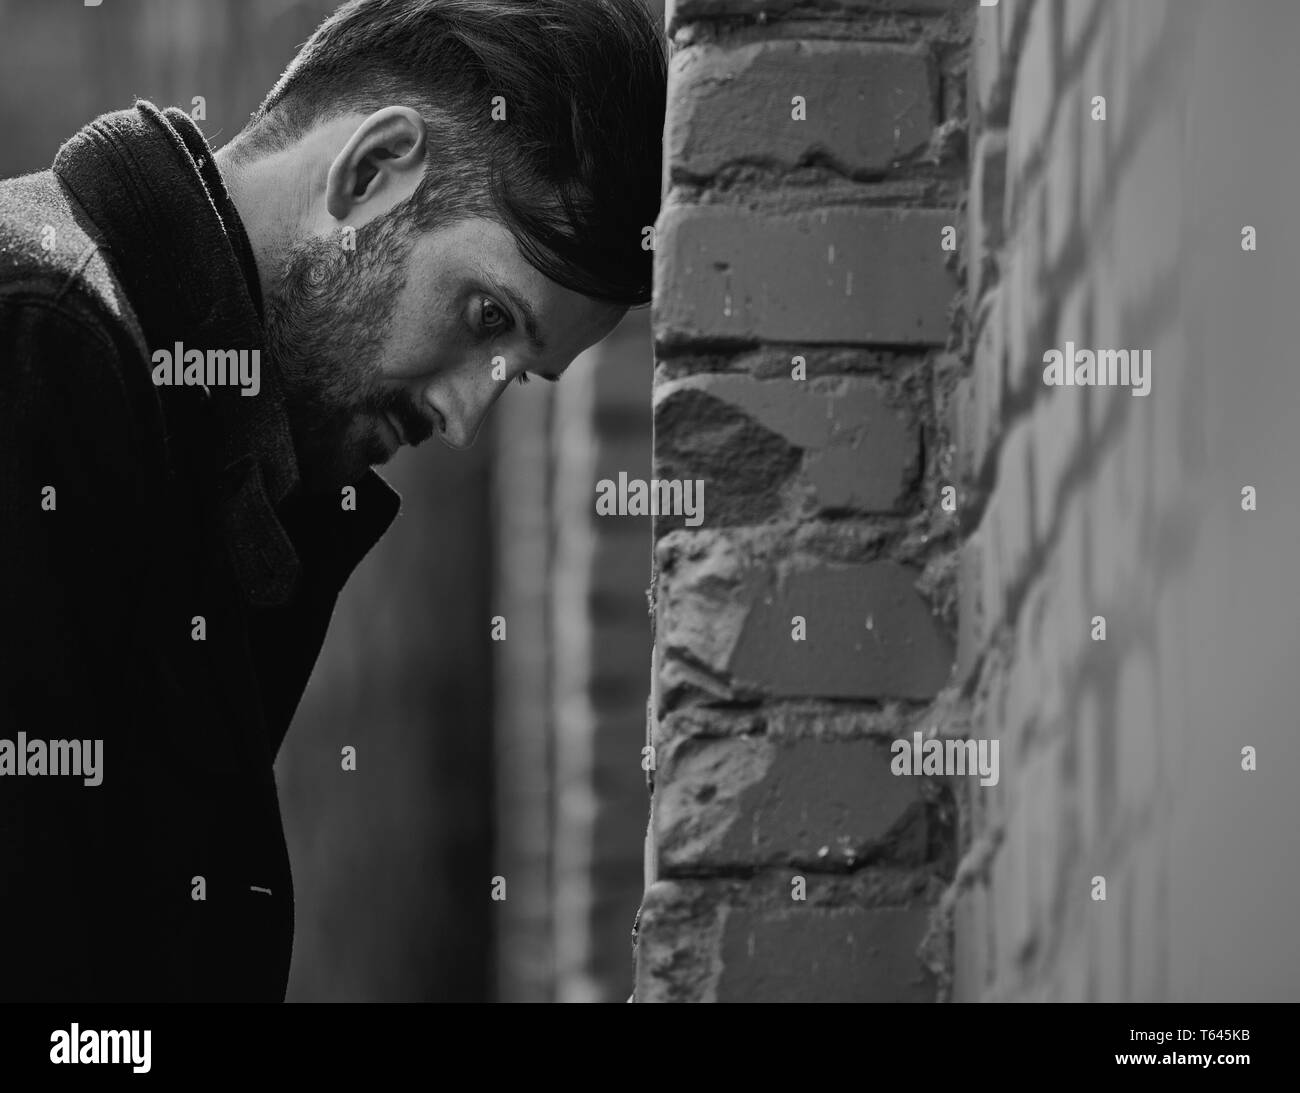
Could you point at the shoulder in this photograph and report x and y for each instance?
(50, 251)
(70, 344)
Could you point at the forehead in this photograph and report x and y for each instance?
(479, 255)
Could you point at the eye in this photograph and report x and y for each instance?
(492, 316)
(522, 377)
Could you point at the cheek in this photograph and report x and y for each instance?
(414, 346)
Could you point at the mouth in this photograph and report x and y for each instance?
(392, 432)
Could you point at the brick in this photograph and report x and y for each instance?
(729, 617)
(1013, 24)
(677, 937)
(1009, 508)
(1061, 182)
(685, 11)
(1071, 605)
(991, 806)
(974, 620)
(986, 378)
(1058, 440)
(1024, 691)
(814, 720)
(990, 75)
(847, 955)
(750, 801)
(867, 105)
(1035, 90)
(1013, 926)
(971, 946)
(961, 424)
(1073, 323)
(1095, 135)
(992, 598)
(984, 233)
(726, 273)
(1028, 293)
(833, 443)
(1015, 313)
(1043, 794)
(711, 941)
(649, 852)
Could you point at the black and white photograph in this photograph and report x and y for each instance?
(648, 501)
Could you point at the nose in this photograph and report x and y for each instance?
(462, 405)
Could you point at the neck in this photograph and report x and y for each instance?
(265, 202)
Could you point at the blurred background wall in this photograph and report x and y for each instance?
(571, 800)
(475, 758)
(1133, 188)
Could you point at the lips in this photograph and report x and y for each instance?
(399, 430)
(392, 435)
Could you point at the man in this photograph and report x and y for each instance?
(201, 358)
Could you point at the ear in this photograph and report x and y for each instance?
(380, 166)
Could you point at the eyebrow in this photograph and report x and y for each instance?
(530, 326)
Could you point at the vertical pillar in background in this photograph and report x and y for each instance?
(571, 675)
(622, 635)
(601, 640)
(572, 641)
(522, 744)
(804, 275)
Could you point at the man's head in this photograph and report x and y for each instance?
(445, 196)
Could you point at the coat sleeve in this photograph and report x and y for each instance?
(71, 491)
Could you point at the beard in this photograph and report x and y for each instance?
(326, 322)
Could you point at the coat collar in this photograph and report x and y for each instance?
(149, 181)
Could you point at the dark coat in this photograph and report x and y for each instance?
(169, 503)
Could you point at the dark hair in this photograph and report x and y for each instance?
(574, 170)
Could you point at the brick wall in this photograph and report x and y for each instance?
(1122, 758)
(814, 156)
